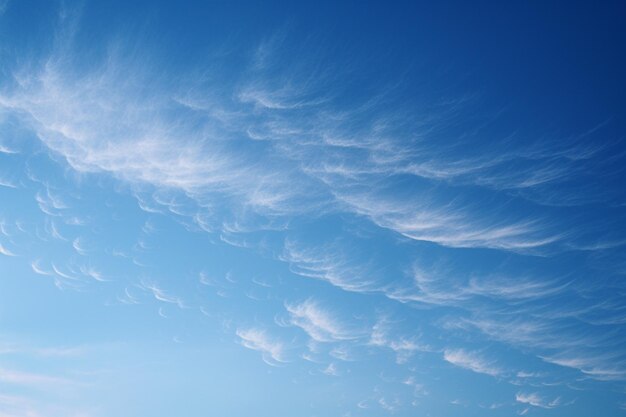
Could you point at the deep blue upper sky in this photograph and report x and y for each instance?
(286, 209)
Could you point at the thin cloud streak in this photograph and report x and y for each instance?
(471, 361)
(256, 339)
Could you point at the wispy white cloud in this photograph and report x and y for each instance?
(38, 269)
(526, 374)
(99, 123)
(50, 203)
(256, 339)
(6, 150)
(445, 224)
(604, 367)
(331, 370)
(389, 404)
(57, 270)
(268, 154)
(327, 264)
(161, 295)
(127, 297)
(513, 289)
(319, 323)
(441, 286)
(105, 120)
(536, 400)
(91, 272)
(403, 347)
(472, 361)
(78, 245)
(7, 183)
(4, 251)
(596, 354)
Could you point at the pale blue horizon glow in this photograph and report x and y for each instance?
(311, 210)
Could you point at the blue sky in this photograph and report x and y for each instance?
(286, 209)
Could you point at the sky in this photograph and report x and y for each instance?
(301, 209)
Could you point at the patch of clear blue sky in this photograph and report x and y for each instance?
(289, 209)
